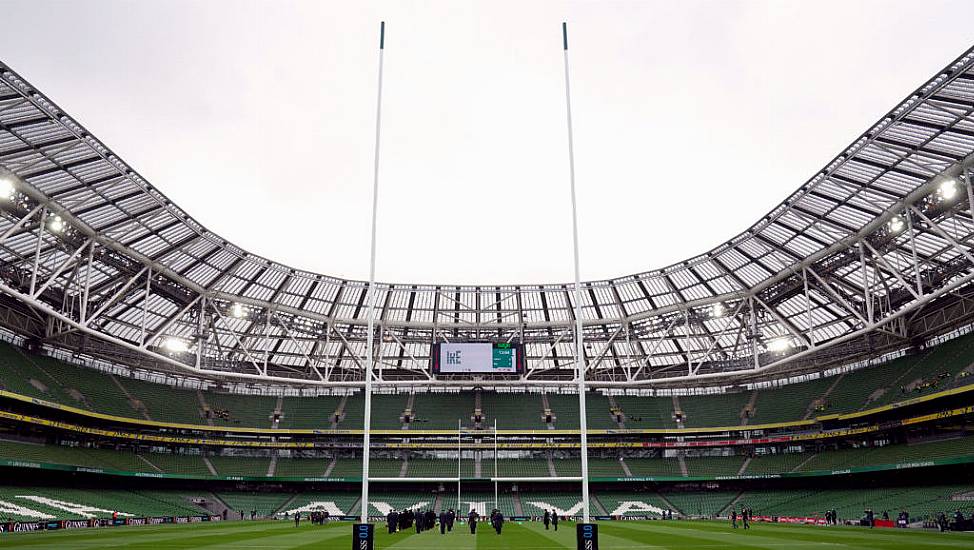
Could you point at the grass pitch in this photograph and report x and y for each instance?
(528, 536)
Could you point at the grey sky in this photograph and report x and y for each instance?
(692, 119)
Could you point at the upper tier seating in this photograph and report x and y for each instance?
(164, 403)
(252, 411)
(512, 410)
(791, 402)
(713, 410)
(440, 411)
(308, 413)
(946, 366)
(647, 412)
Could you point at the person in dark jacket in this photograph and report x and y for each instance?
(554, 519)
(734, 518)
(444, 520)
(451, 516)
(472, 518)
(498, 521)
(430, 519)
(392, 521)
(547, 519)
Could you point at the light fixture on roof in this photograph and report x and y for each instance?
(718, 310)
(7, 188)
(55, 224)
(237, 310)
(896, 224)
(948, 189)
(779, 345)
(175, 345)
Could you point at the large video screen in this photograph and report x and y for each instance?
(477, 358)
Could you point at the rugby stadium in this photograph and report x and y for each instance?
(161, 387)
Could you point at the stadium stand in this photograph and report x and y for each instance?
(346, 502)
(384, 467)
(440, 411)
(523, 467)
(239, 465)
(621, 503)
(134, 503)
(647, 412)
(714, 466)
(713, 410)
(89, 389)
(776, 463)
(387, 411)
(164, 403)
(173, 463)
(302, 467)
(401, 500)
(600, 467)
(701, 504)
(308, 412)
(790, 402)
(564, 410)
(265, 504)
(353, 412)
(350, 467)
(512, 410)
(892, 454)
(21, 375)
(482, 501)
(913, 376)
(253, 411)
(535, 503)
(919, 501)
(654, 466)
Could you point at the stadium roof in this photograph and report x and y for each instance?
(90, 247)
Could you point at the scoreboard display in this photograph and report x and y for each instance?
(478, 358)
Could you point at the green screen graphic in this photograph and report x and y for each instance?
(504, 357)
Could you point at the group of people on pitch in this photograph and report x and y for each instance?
(745, 516)
(550, 518)
(397, 521)
(496, 520)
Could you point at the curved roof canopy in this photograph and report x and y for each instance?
(877, 233)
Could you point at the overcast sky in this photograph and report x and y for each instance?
(692, 119)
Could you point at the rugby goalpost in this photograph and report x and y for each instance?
(579, 380)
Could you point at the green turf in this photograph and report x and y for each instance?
(628, 535)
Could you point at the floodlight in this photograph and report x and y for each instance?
(896, 224)
(175, 345)
(948, 189)
(238, 311)
(718, 310)
(779, 344)
(55, 224)
(7, 188)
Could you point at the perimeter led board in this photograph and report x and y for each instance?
(478, 358)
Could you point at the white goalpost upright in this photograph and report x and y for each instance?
(370, 297)
(579, 347)
(459, 458)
